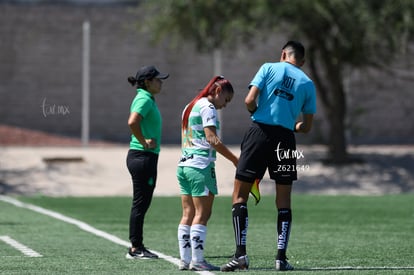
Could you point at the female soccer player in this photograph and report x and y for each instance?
(195, 171)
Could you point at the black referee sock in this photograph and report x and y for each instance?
(240, 224)
(284, 223)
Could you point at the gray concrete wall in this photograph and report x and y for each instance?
(41, 78)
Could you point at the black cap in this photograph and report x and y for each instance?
(149, 72)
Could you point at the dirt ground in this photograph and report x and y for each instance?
(100, 170)
(38, 163)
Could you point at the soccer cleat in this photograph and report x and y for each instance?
(203, 266)
(283, 265)
(140, 253)
(241, 263)
(255, 191)
(183, 265)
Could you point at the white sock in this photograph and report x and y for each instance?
(184, 242)
(198, 239)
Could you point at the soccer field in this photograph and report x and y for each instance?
(330, 235)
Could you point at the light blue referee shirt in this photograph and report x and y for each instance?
(285, 92)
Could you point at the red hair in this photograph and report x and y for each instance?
(208, 89)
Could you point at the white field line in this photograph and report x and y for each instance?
(358, 268)
(21, 247)
(86, 227)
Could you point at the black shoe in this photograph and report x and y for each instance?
(283, 265)
(241, 263)
(141, 253)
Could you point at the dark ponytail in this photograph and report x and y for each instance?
(132, 80)
(139, 84)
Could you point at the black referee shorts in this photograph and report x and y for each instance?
(268, 147)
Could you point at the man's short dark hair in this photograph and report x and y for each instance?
(297, 48)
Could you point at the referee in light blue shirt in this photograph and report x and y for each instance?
(278, 94)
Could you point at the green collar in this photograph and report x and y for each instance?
(145, 92)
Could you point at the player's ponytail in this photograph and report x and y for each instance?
(208, 89)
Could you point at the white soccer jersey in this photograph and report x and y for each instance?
(196, 151)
